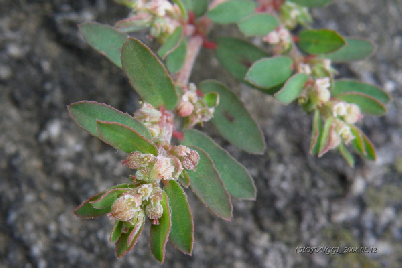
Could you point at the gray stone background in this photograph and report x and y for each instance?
(49, 165)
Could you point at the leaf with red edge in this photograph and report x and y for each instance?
(147, 75)
(316, 133)
(347, 155)
(124, 138)
(87, 211)
(321, 41)
(182, 233)
(86, 113)
(116, 232)
(160, 233)
(108, 198)
(184, 179)
(326, 137)
(207, 185)
(122, 247)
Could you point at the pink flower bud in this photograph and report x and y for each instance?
(181, 150)
(185, 108)
(190, 161)
(138, 160)
(154, 210)
(124, 208)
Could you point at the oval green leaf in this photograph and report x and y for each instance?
(354, 50)
(122, 246)
(87, 211)
(199, 7)
(124, 138)
(159, 233)
(207, 185)
(312, 3)
(366, 103)
(116, 232)
(358, 142)
(86, 113)
(104, 39)
(108, 198)
(171, 43)
(184, 179)
(182, 233)
(237, 56)
(270, 72)
(347, 155)
(147, 75)
(231, 11)
(316, 133)
(175, 60)
(325, 137)
(212, 99)
(233, 121)
(351, 86)
(320, 41)
(132, 24)
(237, 181)
(292, 88)
(259, 24)
(369, 148)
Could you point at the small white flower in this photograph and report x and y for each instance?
(353, 113)
(339, 109)
(145, 191)
(304, 68)
(272, 38)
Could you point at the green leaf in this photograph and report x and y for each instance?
(183, 9)
(326, 138)
(87, 211)
(175, 60)
(132, 24)
(316, 133)
(237, 56)
(199, 7)
(270, 72)
(369, 148)
(358, 142)
(184, 179)
(104, 39)
(347, 155)
(182, 233)
(259, 24)
(354, 50)
(147, 75)
(231, 11)
(292, 88)
(116, 232)
(351, 86)
(321, 41)
(208, 186)
(159, 233)
(124, 138)
(108, 198)
(233, 121)
(212, 99)
(312, 3)
(366, 103)
(171, 43)
(237, 181)
(86, 113)
(122, 246)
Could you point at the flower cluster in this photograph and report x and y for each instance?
(193, 107)
(293, 14)
(280, 37)
(160, 16)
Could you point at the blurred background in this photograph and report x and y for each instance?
(49, 165)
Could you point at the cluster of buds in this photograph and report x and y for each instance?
(132, 206)
(168, 165)
(160, 15)
(349, 112)
(293, 14)
(340, 132)
(193, 107)
(280, 37)
(319, 93)
(159, 123)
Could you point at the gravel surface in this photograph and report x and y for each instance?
(49, 165)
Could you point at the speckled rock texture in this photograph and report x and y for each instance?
(49, 165)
